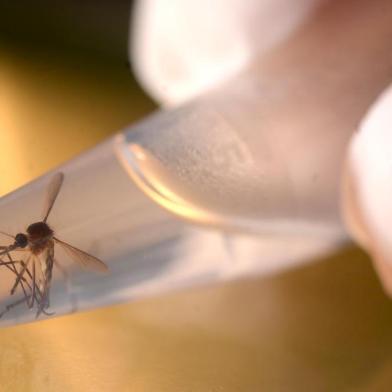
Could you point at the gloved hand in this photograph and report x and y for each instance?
(367, 186)
(182, 48)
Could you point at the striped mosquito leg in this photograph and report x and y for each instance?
(30, 303)
(20, 275)
(34, 294)
(11, 266)
(47, 269)
(13, 305)
(5, 249)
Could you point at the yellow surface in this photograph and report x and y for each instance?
(323, 327)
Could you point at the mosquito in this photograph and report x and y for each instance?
(39, 242)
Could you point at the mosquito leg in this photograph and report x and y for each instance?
(33, 289)
(13, 262)
(38, 296)
(28, 298)
(12, 268)
(20, 275)
(38, 292)
(11, 306)
(19, 302)
(22, 283)
(13, 250)
(31, 302)
(43, 304)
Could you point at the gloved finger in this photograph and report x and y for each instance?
(367, 186)
(179, 48)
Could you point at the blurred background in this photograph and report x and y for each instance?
(65, 85)
(65, 82)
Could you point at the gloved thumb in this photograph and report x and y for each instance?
(367, 186)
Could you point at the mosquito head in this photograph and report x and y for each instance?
(21, 240)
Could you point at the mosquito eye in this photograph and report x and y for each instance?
(21, 240)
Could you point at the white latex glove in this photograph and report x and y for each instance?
(180, 48)
(183, 47)
(367, 186)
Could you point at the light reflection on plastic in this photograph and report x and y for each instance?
(150, 175)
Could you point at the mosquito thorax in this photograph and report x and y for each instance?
(39, 230)
(21, 240)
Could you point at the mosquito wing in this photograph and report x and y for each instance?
(52, 193)
(82, 258)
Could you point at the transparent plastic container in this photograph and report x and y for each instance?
(125, 201)
(242, 179)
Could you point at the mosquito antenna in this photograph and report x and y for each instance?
(6, 234)
(52, 193)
